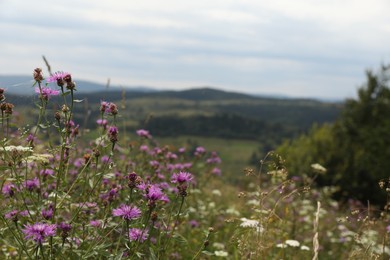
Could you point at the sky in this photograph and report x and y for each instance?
(300, 48)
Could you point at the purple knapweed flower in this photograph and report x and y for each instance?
(47, 172)
(154, 193)
(105, 159)
(32, 184)
(104, 106)
(39, 231)
(14, 214)
(388, 228)
(181, 177)
(144, 148)
(102, 122)
(9, 189)
(216, 171)
(200, 151)
(154, 164)
(95, 223)
(65, 228)
(144, 133)
(59, 75)
(193, 223)
(214, 159)
(47, 213)
(127, 212)
(136, 234)
(113, 133)
(46, 93)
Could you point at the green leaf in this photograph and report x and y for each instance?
(180, 239)
(119, 256)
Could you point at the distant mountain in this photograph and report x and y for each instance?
(22, 85)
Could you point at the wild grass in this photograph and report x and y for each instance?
(108, 194)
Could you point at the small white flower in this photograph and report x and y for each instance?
(232, 211)
(253, 202)
(43, 158)
(305, 248)
(281, 245)
(219, 246)
(252, 224)
(318, 168)
(216, 192)
(18, 148)
(293, 243)
(249, 223)
(221, 253)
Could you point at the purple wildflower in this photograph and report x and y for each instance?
(388, 228)
(14, 214)
(181, 177)
(144, 148)
(39, 231)
(136, 234)
(102, 122)
(113, 109)
(216, 171)
(113, 133)
(32, 184)
(105, 159)
(193, 223)
(95, 223)
(104, 105)
(144, 133)
(127, 212)
(65, 228)
(46, 93)
(47, 213)
(154, 164)
(200, 151)
(47, 172)
(154, 193)
(214, 159)
(56, 76)
(9, 189)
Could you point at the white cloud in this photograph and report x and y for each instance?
(295, 47)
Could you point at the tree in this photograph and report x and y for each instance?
(356, 148)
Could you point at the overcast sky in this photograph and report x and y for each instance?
(299, 48)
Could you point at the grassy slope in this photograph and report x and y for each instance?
(235, 154)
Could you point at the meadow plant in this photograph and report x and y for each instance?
(109, 199)
(288, 218)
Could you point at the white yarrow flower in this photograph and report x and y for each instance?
(12, 148)
(216, 192)
(221, 253)
(318, 168)
(249, 223)
(292, 243)
(252, 224)
(305, 248)
(281, 245)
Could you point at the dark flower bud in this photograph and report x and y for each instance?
(38, 77)
(57, 116)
